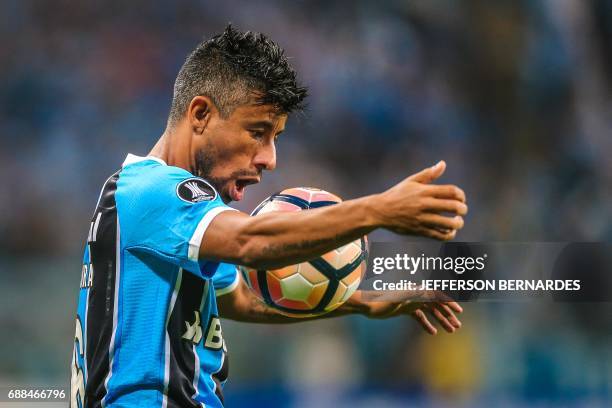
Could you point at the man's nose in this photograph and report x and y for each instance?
(265, 159)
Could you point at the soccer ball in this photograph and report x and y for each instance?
(319, 285)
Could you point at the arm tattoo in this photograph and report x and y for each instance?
(287, 249)
(260, 312)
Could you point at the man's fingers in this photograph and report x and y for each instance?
(440, 235)
(447, 191)
(443, 312)
(442, 319)
(441, 222)
(446, 310)
(429, 174)
(443, 205)
(455, 307)
(420, 317)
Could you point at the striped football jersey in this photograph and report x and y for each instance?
(148, 332)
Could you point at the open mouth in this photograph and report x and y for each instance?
(237, 188)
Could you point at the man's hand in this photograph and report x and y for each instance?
(421, 306)
(416, 207)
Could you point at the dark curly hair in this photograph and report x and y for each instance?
(234, 68)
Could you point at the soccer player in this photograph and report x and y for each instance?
(162, 238)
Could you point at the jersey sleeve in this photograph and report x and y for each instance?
(225, 279)
(165, 211)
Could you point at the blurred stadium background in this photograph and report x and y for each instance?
(515, 95)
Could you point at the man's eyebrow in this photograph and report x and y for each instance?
(262, 123)
(267, 125)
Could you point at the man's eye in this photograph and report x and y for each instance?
(257, 134)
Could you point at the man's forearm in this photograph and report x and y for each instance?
(243, 306)
(258, 312)
(278, 239)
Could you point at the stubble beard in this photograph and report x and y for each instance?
(204, 164)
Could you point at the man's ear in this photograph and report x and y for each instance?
(199, 112)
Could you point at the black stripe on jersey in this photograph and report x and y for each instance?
(100, 307)
(221, 376)
(182, 357)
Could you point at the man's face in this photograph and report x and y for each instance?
(232, 153)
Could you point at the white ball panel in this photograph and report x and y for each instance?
(296, 287)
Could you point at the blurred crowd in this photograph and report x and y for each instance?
(516, 96)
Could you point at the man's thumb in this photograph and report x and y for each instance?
(429, 174)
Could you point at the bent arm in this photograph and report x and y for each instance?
(243, 306)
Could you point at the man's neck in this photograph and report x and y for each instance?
(174, 148)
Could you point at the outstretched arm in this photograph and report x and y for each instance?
(242, 305)
(278, 239)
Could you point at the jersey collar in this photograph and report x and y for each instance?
(132, 158)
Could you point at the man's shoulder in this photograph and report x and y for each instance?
(152, 168)
(150, 176)
(151, 182)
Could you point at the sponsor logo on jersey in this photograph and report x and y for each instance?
(194, 330)
(195, 190)
(213, 337)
